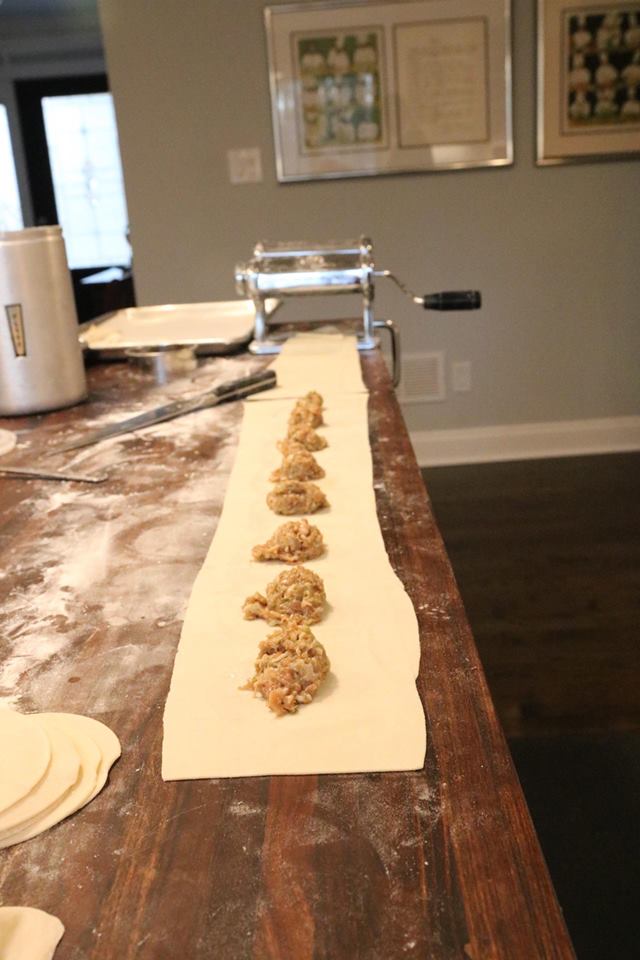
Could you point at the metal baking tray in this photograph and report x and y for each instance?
(218, 327)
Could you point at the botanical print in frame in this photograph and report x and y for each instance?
(360, 88)
(601, 69)
(595, 80)
(339, 90)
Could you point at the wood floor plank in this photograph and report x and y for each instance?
(547, 557)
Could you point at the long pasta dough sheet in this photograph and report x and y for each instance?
(332, 358)
(367, 715)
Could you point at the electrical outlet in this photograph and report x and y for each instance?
(245, 165)
(461, 376)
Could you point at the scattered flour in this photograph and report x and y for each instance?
(104, 572)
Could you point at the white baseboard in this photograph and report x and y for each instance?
(526, 441)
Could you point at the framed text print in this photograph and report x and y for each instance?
(361, 88)
(588, 80)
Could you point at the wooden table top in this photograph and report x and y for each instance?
(442, 863)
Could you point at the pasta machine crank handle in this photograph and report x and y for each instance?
(452, 300)
(446, 300)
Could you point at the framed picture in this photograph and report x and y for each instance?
(588, 80)
(361, 88)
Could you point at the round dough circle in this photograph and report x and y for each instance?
(61, 775)
(8, 441)
(79, 794)
(25, 752)
(28, 932)
(105, 739)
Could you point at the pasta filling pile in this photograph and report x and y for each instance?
(294, 542)
(291, 663)
(290, 667)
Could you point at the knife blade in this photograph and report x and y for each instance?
(37, 473)
(224, 393)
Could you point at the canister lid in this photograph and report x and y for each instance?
(29, 234)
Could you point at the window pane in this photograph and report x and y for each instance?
(10, 210)
(87, 178)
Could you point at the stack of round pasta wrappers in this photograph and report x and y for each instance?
(52, 765)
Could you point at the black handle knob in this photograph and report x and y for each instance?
(453, 300)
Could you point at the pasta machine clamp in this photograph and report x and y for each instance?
(279, 270)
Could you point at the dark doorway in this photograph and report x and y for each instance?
(73, 167)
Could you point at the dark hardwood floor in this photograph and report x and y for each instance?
(547, 557)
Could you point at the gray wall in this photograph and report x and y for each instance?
(554, 250)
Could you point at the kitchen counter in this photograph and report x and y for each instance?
(441, 863)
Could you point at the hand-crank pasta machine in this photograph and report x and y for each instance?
(279, 270)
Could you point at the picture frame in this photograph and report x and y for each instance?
(361, 88)
(588, 81)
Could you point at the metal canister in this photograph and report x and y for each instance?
(41, 365)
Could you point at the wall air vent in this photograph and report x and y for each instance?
(422, 378)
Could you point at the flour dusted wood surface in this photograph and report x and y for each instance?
(440, 864)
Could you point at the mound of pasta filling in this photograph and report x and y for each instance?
(296, 594)
(293, 542)
(302, 437)
(292, 497)
(298, 465)
(290, 667)
(304, 415)
(313, 400)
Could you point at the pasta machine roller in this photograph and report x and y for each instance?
(279, 270)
